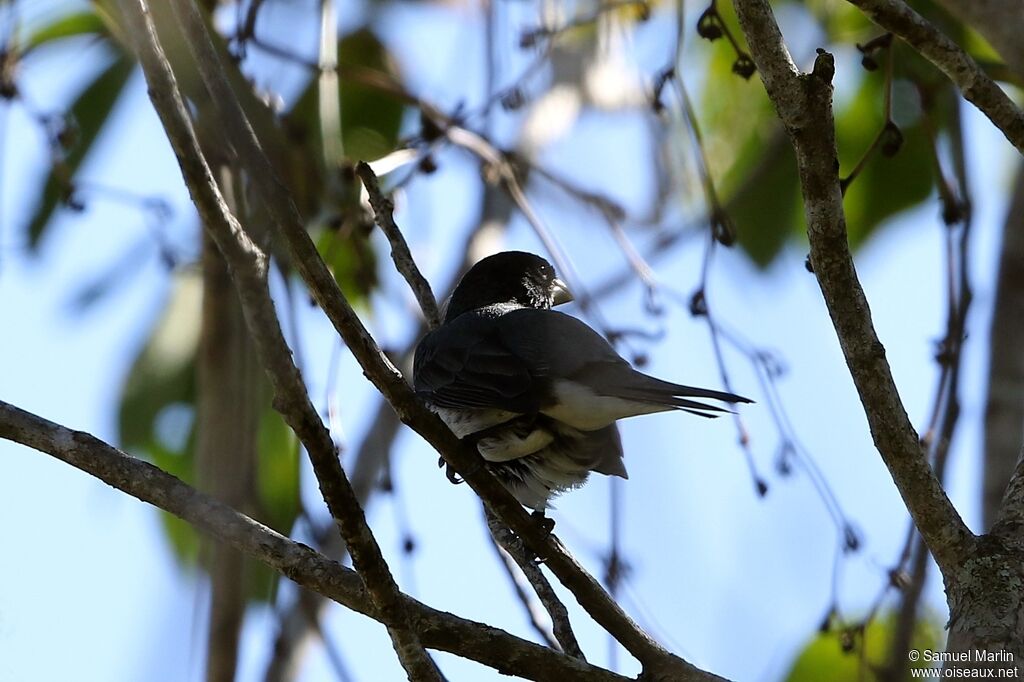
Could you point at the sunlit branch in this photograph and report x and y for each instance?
(439, 630)
(900, 19)
(248, 266)
(462, 457)
(383, 209)
(804, 103)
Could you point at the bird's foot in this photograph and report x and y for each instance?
(544, 522)
(449, 471)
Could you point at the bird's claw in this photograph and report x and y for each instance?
(544, 522)
(449, 472)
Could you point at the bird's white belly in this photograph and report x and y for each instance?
(582, 408)
(511, 444)
(464, 422)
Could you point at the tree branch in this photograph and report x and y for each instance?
(1000, 21)
(248, 265)
(657, 661)
(383, 209)
(898, 18)
(804, 103)
(370, 457)
(437, 629)
(560, 625)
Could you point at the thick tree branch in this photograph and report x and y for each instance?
(658, 662)
(804, 103)
(248, 265)
(899, 19)
(437, 629)
(383, 209)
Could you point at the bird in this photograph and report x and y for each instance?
(538, 392)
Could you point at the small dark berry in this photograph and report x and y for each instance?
(709, 24)
(744, 67)
(427, 164)
(892, 139)
(698, 304)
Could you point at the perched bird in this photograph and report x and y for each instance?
(538, 391)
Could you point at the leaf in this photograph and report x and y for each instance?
(350, 256)
(765, 203)
(156, 419)
(761, 189)
(886, 185)
(750, 157)
(161, 386)
(65, 26)
(370, 118)
(824, 657)
(88, 114)
(278, 471)
(163, 373)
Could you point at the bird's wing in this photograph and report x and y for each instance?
(530, 360)
(581, 366)
(465, 364)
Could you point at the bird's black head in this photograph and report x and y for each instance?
(514, 277)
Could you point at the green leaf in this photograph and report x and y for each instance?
(88, 116)
(761, 190)
(156, 419)
(161, 382)
(886, 185)
(751, 159)
(277, 472)
(163, 373)
(370, 118)
(72, 25)
(764, 202)
(352, 261)
(825, 658)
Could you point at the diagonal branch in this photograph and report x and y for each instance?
(561, 627)
(657, 661)
(439, 630)
(804, 103)
(900, 19)
(248, 264)
(1001, 22)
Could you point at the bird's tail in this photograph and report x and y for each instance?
(647, 389)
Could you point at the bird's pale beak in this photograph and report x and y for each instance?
(561, 293)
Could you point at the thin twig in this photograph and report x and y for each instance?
(383, 209)
(512, 547)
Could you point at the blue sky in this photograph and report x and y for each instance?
(733, 582)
